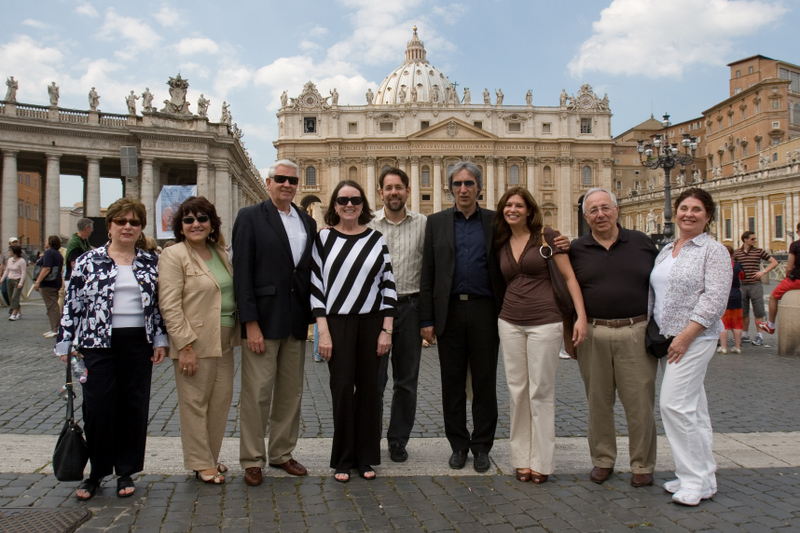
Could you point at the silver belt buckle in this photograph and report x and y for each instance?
(463, 297)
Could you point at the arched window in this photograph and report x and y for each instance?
(547, 175)
(311, 177)
(425, 178)
(384, 168)
(796, 112)
(548, 218)
(352, 174)
(586, 176)
(513, 175)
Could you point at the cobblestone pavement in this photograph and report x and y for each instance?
(754, 392)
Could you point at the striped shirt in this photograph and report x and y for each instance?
(405, 241)
(351, 274)
(751, 262)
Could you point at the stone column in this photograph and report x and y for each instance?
(530, 167)
(564, 181)
(501, 181)
(223, 199)
(437, 183)
(402, 163)
(52, 196)
(371, 184)
(489, 185)
(92, 205)
(147, 197)
(333, 179)
(416, 194)
(788, 227)
(738, 219)
(761, 216)
(234, 200)
(202, 178)
(10, 195)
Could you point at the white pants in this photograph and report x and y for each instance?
(530, 354)
(684, 411)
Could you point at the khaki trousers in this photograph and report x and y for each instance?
(530, 355)
(272, 390)
(614, 360)
(204, 401)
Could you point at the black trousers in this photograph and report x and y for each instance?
(355, 390)
(470, 339)
(116, 400)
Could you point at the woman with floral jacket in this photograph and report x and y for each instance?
(111, 319)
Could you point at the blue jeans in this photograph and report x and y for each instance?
(405, 354)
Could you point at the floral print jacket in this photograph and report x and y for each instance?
(86, 319)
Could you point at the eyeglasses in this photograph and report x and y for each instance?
(134, 222)
(466, 183)
(344, 200)
(200, 218)
(605, 209)
(293, 180)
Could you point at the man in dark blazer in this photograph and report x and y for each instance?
(461, 293)
(272, 244)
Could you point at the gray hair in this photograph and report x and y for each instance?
(282, 162)
(472, 168)
(598, 189)
(85, 223)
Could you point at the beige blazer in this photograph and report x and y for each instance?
(190, 301)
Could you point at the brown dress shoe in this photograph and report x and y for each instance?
(253, 476)
(291, 467)
(641, 480)
(600, 475)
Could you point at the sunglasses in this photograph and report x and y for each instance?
(200, 218)
(467, 183)
(344, 200)
(132, 221)
(293, 180)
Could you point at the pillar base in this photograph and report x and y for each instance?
(788, 325)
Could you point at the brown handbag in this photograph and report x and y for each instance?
(562, 295)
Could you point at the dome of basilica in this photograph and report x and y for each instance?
(415, 80)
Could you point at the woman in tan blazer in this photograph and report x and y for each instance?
(198, 306)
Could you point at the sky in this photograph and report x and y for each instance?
(649, 56)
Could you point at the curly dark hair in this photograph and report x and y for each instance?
(704, 197)
(535, 220)
(197, 205)
(332, 218)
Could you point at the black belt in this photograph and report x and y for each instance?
(617, 322)
(407, 297)
(465, 297)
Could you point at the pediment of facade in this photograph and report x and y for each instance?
(452, 129)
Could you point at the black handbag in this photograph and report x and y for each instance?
(71, 453)
(562, 295)
(655, 343)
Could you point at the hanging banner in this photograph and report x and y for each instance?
(169, 200)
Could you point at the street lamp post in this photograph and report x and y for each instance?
(667, 156)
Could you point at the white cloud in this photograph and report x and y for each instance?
(307, 46)
(169, 17)
(32, 65)
(661, 39)
(451, 13)
(38, 24)
(197, 45)
(317, 31)
(231, 78)
(139, 35)
(87, 9)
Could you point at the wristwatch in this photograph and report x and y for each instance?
(389, 331)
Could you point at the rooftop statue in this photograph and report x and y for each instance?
(94, 100)
(11, 93)
(467, 96)
(202, 105)
(487, 99)
(177, 104)
(131, 101)
(147, 100)
(499, 94)
(53, 93)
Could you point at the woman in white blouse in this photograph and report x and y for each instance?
(689, 289)
(353, 299)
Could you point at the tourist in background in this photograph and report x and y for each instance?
(531, 329)
(14, 272)
(732, 319)
(353, 299)
(49, 282)
(112, 319)
(199, 308)
(689, 288)
(750, 258)
(790, 283)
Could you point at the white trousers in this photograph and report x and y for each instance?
(530, 354)
(684, 411)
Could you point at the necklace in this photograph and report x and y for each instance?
(118, 256)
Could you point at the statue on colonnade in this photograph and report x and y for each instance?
(202, 105)
(147, 100)
(13, 85)
(130, 100)
(53, 93)
(94, 100)
(177, 104)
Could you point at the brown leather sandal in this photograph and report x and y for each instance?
(538, 478)
(523, 476)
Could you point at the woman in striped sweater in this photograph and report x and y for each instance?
(353, 299)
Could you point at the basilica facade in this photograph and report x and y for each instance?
(418, 122)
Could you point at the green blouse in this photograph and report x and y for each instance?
(225, 281)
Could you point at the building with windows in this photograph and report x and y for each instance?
(29, 214)
(417, 121)
(748, 157)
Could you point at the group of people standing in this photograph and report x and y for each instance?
(473, 279)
